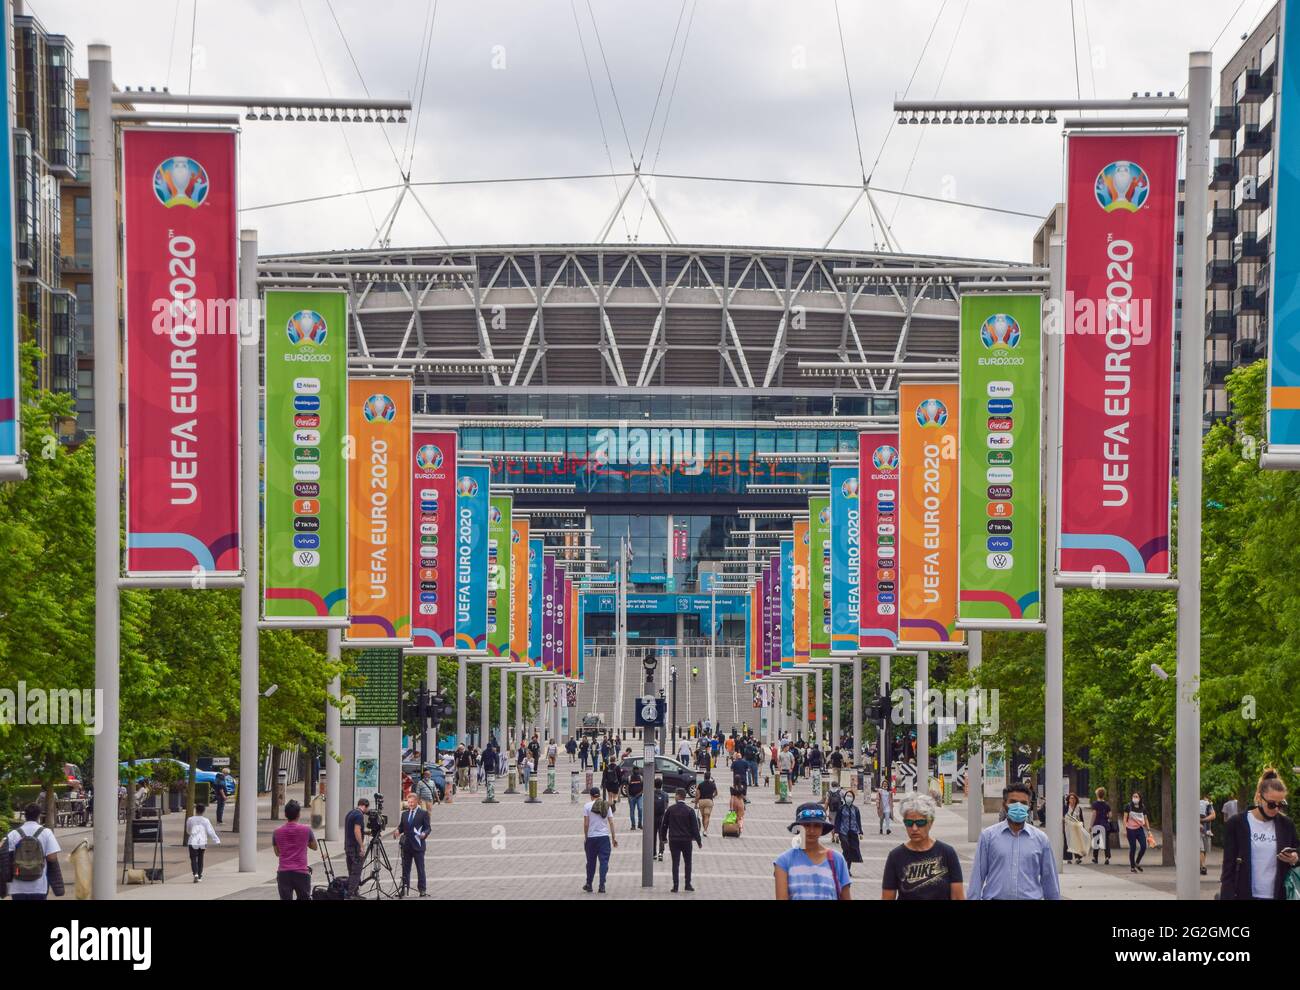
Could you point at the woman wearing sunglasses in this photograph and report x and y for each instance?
(1259, 846)
(922, 868)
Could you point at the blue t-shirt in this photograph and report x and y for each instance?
(809, 881)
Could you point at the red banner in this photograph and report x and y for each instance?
(182, 351)
(433, 507)
(1117, 389)
(878, 484)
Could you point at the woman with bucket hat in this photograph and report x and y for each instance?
(811, 871)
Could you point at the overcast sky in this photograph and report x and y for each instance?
(760, 94)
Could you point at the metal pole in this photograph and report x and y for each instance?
(1187, 763)
(805, 723)
(333, 742)
(857, 711)
(884, 755)
(103, 169)
(502, 723)
(484, 704)
(431, 676)
(820, 718)
(250, 519)
(519, 706)
(711, 707)
(461, 674)
(922, 726)
(1053, 600)
(835, 707)
(975, 758)
(648, 795)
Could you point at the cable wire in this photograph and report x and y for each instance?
(667, 65)
(329, 4)
(610, 76)
(424, 83)
(853, 110)
(672, 92)
(893, 119)
(600, 118)
(1074, 46)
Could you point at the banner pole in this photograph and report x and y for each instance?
(333, 741)
(922, 686)
(249, 595)
(856, 755)
(1187, 763)
(103, 171)
(1054, 596)
(975, 754)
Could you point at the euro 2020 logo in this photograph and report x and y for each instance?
(1000, 332)
(824, 517)
(466, 486)
(306, 327)
(428, 457)
(931, 412)
(885, 458)
(850, 488)
(180, 181)
(494, 515)
(1122, 186)
(379, 407)
(514, 536)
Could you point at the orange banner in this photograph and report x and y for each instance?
(518, 589)
(802, 555)
(927, 551)
(378, 449)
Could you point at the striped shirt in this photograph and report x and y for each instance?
(809, 881)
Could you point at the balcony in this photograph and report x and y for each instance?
(1267, 109)
(1216, 372)
(1264, 172)
(1245, 302)
(1221, 275)
(1246, 194)
(1220, 323)
(1221, 224)
(1251, 140)
(1224, 173)
(1251, 87)
(1264, 229)
(1245, 351)
(1268, 59)
(1263, 280)
(1245, 247)
(1226, 120)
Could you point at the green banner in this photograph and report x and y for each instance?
(819, 563)
(304, 547)
(499, 535)
(1001, 346)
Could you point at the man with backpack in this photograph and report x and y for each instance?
(29, 860)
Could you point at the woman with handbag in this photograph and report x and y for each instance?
(1076, 836)
(1259, 848)
(1138, 831)
(1102, 825)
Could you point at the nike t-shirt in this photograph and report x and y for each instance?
(922, 876)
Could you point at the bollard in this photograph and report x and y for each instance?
(573, 787)
(782, 788)
(589, 781)
(825, 789)
(490, 786)
(815, 778)
(550, 781)
(532, 792)
(511, 779)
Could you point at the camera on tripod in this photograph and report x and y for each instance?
(376, 820)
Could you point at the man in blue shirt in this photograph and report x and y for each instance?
(1014, 860)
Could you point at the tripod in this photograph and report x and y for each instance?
(374, 863)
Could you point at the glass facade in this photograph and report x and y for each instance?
(633, 405)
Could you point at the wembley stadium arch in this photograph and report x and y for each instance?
(645, 383)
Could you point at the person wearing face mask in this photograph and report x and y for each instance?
(1259, 846)
(848, 828)
(1013, 859)
(1137, 829)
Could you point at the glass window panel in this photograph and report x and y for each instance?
(806, 441)
(785, 440)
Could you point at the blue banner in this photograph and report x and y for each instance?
(536, 565)
(471, 557)
(846, 508)
(656, 604)
(786, 586)
(9, 440)
(1284, 328)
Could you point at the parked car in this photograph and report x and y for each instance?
(144, 768)
(674, 774)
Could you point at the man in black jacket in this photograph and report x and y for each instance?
(680, 828)
(660, 809)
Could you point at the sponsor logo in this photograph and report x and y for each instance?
(428, 457)
(1000, 510)
(884, 585)
(1000, 332)
(999, 544)
(428, 574)
(306, 558)
(999, 561)
(885, 575)
(306, 541)
(1122, 186)
(430, 494)
(886, 507)
(428, 540)
(306, 472)
(428, 529)
(307, 455)
(379, 407)
(306, 386)
(428, 609)
(428, 597)
(430, 507)
(306, 438)
(306, 403)
(428, 585)
(883, 564)
(885, 494)
(430, 564)
(1000, 407)
(999, 424)
(306, 420)
(885, 541)
(306, 524)
(884, 609)
(931, 413)
(887, 517)
(306, 489)
(306, 327)
(998, 475)
(999, 526)
(180, 181)
(885, 458)
(306, 507)
(999, 390)
(887, 553)
(885, 529)
(999, 441)
(886, 597)
(999, 457)
(999, 492)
